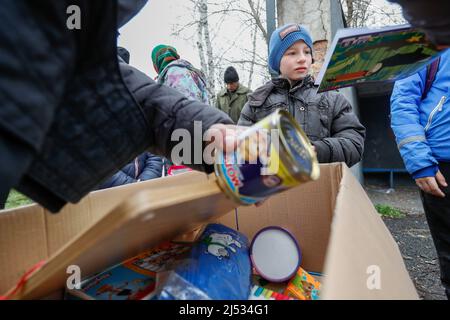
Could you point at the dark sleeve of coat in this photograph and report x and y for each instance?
(246, 118)
(346, 143)
(167, 110)
(27, 102)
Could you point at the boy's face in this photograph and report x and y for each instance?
(296, 61)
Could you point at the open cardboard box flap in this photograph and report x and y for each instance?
(338, 229)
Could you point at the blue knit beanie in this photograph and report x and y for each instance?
(282, 39)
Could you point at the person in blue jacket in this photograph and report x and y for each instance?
(421, 123)
(145, 167)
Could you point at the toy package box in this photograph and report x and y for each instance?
(374, 55)
(303, 286)
(135, 279)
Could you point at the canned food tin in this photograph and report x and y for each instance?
(272, 156)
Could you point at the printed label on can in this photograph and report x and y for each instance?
(263, 164)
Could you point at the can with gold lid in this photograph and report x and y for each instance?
(272, 156)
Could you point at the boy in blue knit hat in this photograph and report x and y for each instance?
(327, 118)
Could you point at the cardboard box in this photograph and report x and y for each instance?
(338, 229)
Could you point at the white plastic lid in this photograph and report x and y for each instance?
(275, 254)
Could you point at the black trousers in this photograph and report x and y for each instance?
(3, 201)
(437, 211)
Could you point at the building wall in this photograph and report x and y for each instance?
(316, 14)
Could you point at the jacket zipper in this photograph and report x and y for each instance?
(436, 109)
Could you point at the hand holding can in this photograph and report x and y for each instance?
(269, 157)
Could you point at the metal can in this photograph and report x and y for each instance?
(272, 156)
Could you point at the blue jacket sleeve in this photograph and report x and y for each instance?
(426, 172)
(153, 168)
(405, 122)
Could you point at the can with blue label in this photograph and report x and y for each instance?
(272, 156)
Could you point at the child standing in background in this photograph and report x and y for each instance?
(327, 118)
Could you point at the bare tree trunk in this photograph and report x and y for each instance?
(357, 12)
(214, 57)
(252, 64)
(350, 12)
(210, 70)
(201, 50)
(256, 26)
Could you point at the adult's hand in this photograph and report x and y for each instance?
(431, 185)
(225, 136)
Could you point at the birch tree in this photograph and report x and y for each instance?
(244, 44)
(205, 47)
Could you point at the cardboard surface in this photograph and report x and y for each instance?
(306, 211)
(23, 243)
(31, 234)
(362, 251)
(335, 223)
(141, 222)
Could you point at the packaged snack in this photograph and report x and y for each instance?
(134, 279)
(218, 268)
(303, 286)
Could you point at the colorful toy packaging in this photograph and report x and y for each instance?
(218, 268)
(260, 293)
(135, 279)
(303, 286)
(174, 170)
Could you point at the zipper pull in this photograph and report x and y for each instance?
(441, 103)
